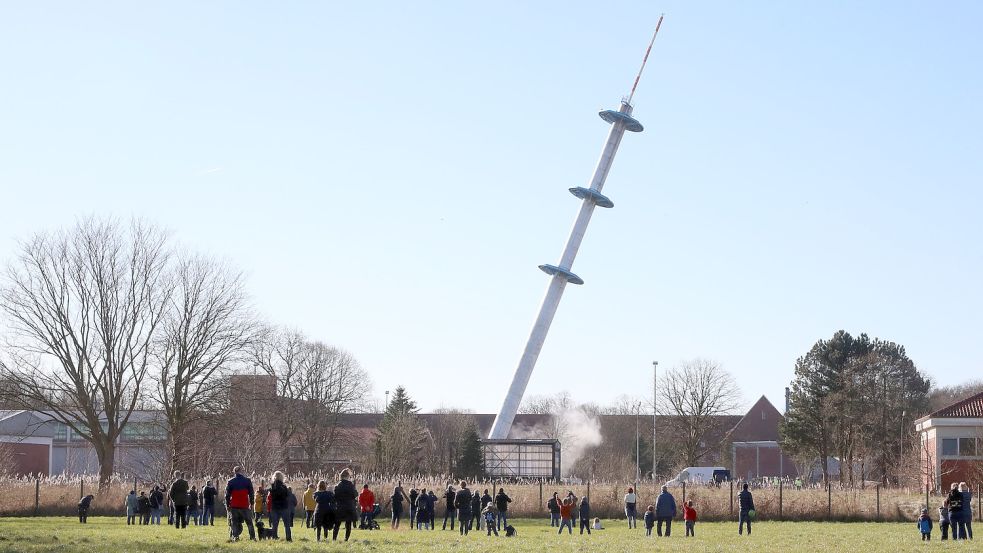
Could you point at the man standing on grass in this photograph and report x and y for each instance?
(502, 504)
(665, 511)
(239, 500)
(449, 511)
(156, 505)
(179, 496)
(208, 494)
(462, 501)
(746, 503)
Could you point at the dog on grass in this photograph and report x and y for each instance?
(264, 532)
(509, 531)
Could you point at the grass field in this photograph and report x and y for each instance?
(66, 535)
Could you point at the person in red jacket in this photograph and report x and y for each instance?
(366, 501)
(689, 517)
(238, 500)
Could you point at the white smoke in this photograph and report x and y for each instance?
(576, 430)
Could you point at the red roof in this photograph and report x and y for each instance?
(971, 407)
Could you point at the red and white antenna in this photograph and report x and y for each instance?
(645, 59)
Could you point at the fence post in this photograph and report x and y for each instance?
(878, 502)
(588, 494)
(731, 498)
(926, 496)
(684, 493)
(541, 492)
(979, 502)
(781, 499)
(37, 496)
(81, 487)
(829, 500)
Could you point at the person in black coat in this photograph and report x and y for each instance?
(449, 510)
(462, 502)
(345, 496)
(475, 511)
(746, 503)
(84, 508)
(502, 503)
(414, 495)
(324, 510)
(956, 506)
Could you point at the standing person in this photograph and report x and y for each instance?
(324, 509)
(432, 510)
(414, 496)
(486, 499)
(553, 506)
(279, 495)
(462, 502)
(475, 511)
(449, 510)
(259, 504)
(689, 519)
(745, 502)
(566, 515)
(193, 504)
(956, 523)
(309, 506)
(423, 508)
(291, 504)
(132, 503)
(84, 508)
(396, 499)
(649, 520)
(584, 512)
(239, 497)
(502, 504)
(925, 525)
(208, 494)
(631, 500)
(156, 504)
(665, 511)
(944, 520)
(179, 497)
(489, 513)
(366, 501)
(345, 496)
(967, 508)
(143, 507)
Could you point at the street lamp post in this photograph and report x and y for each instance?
(655, 380)
(638, 448)
(387, 401)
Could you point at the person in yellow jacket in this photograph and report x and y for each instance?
(260, 502)
(309, 505)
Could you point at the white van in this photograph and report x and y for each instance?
(699, 475)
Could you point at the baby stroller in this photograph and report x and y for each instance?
(368, 519)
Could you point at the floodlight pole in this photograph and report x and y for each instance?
(655, 390)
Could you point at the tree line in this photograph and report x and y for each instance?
(105, 318)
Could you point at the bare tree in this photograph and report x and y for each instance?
(693, 395)
(330, 384)
(84, 306)
(554, 406)
(206, 329)
(447, 431)
(280, 353)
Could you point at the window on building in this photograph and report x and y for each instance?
(143, 432)
(950, 446)
(967, 447)
(61, 432)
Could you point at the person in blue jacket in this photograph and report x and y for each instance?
(925, 525)
(665, 511)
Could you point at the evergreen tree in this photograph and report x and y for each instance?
(401, 436)
(470, 461)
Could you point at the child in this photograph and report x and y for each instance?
(490, 515)
(566, 515)
(597, 524)
(689, 516)
(649, 520)
(944, 521)
(925, 525)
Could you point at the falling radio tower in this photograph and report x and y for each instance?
(562, 273)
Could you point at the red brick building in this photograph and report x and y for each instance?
(753, 443)
(952, 443)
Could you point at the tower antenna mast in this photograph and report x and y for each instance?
(645, 59)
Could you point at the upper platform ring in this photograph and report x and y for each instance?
(612, 117)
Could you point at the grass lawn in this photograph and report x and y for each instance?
(112, 535)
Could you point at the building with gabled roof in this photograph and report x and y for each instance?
(952, 443)
(753, 442)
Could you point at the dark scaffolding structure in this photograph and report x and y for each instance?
(522, 459)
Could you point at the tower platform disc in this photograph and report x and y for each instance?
(554, 270)
(631, 124)
(600, 200)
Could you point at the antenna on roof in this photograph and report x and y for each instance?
(645, 59)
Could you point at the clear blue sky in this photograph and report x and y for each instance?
(389, 175)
